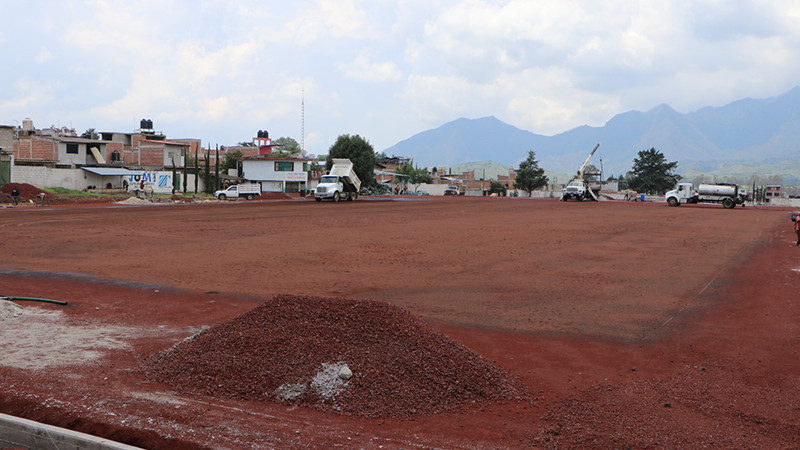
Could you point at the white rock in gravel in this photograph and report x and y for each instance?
(327, 382)
(345, 373)
(289, 391)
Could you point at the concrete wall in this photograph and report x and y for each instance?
(47, 177)
(433, 189)
(16, 432)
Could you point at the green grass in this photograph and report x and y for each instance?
(72, 192)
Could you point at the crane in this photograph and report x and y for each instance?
(578, 188)
(586, 163)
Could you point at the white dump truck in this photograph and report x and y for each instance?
(246, 190)
(340, 182)
(728, 194)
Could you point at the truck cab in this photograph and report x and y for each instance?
(681, 194)
(575, 189)
(331, 187)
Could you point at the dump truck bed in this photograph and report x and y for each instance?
(344, 168)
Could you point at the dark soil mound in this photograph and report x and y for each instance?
(27, 192)
(298, 350)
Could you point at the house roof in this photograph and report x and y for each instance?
(109, 171)
(275, 158)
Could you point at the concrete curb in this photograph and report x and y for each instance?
(16, 432)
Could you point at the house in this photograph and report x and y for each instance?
(277, 173)
(63, 148)
(58, 157)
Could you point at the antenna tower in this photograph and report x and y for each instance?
(302, 121)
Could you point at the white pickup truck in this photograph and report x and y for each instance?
(246, 190)
(340, 182)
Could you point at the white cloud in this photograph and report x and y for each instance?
(364, 70)
(387, 69)
(43, 56)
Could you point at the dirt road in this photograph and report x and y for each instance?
(629, 323)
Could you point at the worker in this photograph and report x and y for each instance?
(797, 227)
(14, 196)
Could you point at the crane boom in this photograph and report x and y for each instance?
(586, 163)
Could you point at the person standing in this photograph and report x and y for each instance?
(797, 227)
(14, 196)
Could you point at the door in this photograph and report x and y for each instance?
(5, 170)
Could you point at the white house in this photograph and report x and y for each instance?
(277, 173)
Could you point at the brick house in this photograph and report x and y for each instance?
(63, 148)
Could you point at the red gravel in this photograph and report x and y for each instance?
(401, 367)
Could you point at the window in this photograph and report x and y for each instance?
(115, 156)
(72, 148)
(305, 167)
(284, 166)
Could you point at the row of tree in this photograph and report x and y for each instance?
(651, 173)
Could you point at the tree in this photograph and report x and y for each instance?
(529, 175)
(91, 133)
(412, 175)
(216, 172)
(288, 146)
(591, 173)
(652, 174)
(359, 151)
(207, 179)
(230, 161)
(496, 187)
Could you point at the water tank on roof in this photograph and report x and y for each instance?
(149, 124)
(27, 124)
(143, 124)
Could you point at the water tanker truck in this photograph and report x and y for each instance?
(340, 182)
(728, 194)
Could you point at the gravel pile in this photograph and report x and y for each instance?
(354, 357)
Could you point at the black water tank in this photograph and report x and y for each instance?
(149, 124)
(143, 124)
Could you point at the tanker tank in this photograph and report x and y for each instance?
(727, 190)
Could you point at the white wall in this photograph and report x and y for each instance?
(47, 177)
(264, 170)
(433, 189)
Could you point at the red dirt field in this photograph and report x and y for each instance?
(630, 325)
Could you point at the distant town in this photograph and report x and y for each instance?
(146, 159)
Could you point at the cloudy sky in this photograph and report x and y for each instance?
(386, 70)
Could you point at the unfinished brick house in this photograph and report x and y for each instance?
(63, 148)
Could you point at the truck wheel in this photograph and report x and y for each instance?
(672, 201)
(249, 196)
(336, 196)
(350, 196)
(728, 203)
(317, 199)
(221, 196)
(355, 195)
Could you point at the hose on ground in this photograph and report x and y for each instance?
(34, 299)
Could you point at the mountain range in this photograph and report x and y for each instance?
(745, 138)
